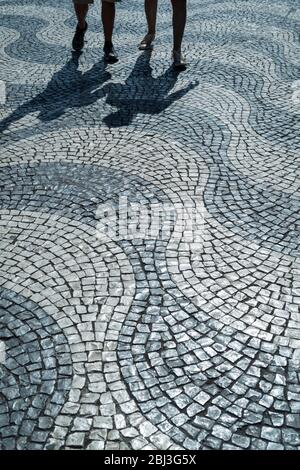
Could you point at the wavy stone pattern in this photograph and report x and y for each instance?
(155, 343)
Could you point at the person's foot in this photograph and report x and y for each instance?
(110, 55)
(78, 39)
(147, 42)
(179, 61)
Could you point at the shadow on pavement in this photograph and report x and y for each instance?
(142, 93)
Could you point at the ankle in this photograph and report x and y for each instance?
(81, 24)
(177, 46)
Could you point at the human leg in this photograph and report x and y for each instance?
(179, 22)
(108, 14)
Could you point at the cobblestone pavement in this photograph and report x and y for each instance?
(150, 344)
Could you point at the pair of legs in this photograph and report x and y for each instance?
(108, 14)
(179, 21)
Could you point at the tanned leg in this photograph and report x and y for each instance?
(151, 14)
(108, 20)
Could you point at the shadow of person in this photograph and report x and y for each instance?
(68, 88)
(142, 93)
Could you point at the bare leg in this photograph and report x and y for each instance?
(81, 13)
(108, 20)
(151, 14)
(179, 22)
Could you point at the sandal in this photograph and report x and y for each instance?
(179, 61)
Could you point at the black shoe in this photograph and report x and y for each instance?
(110, 55)
(78, 39)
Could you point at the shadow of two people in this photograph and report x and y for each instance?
(71, 88)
